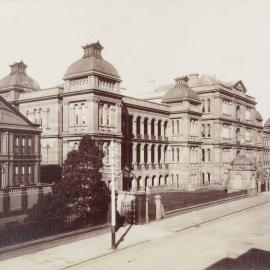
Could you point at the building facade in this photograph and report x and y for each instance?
(19, 148)
(183, 135)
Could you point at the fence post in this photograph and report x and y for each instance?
(146, 209)
(140, 208)
(158, 207)
(24, 199)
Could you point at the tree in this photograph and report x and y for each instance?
(81, 193)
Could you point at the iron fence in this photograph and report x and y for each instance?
(17, 232)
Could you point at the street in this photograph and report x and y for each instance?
(233, 235)
(201, 247)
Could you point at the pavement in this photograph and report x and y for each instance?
(90, 247)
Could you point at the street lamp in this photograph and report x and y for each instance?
(113, 208)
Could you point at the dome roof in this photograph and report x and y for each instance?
(18, 78)
(208, 80)
(258, 116)
(91, 61)
(181, 92)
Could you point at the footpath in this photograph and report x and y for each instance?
(65, 253)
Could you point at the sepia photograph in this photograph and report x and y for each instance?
(134, 134)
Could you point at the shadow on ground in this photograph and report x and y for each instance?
(253, 259)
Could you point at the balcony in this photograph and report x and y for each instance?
(139, 136)
(139, 167)
(146, 136)
(153, 137)
(153, 166)
(166, 138)
(159, 138)
(146, 166)
(160, 166)
(166, 166)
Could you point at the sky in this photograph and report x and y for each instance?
(145, 40)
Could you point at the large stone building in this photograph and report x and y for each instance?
(19, 149)
(184, 135)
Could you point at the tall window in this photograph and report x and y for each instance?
(208, 105)
(172, 154)
(208, 130)
(208, 155)
(177, 125)
(203, 155)
(203, 106)
(76, 114)
(203, 130)
(172, 127)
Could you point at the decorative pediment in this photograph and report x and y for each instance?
(240, 86)
(10, 115)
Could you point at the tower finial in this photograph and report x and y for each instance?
(93, 49)
(18, 68)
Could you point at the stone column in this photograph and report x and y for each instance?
(142, 153)
(149, 127)
(118, 118)
(149, 154)
(259, 187)
(156, 129)
(162, 158)
(158, 207)
(142, 127)
(134, 153)
(133, 127)
(146, 209)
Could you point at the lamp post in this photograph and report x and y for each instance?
(113, 207)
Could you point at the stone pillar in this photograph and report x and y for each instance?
(146, 209)
(156, 154)
(134, 184)
(140, 209)
(259, 187)
(134, 153)
(142, 127)
(158, 207)
(149, 153)
(118, 118)
(133, 126)
(142, 153)
(149, 127)
(162, 160)
(156, 129)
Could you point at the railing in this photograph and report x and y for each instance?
(153, 137)
(146, 136)
(159, 138)
(139, 136)
(153, 166)
(166, 138)
(166, 166)
(160, 166)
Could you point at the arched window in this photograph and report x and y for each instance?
(203, 155)
(208, 155)
(203, 130)
(172, 127)
(177, 127)
(208, 105)
(208, 130)
(203, 106)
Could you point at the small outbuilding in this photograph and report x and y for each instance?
(242, 175)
